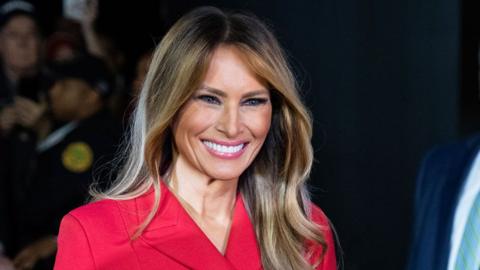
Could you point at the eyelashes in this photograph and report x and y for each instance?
(255, 101)
(209, 99)
(213, 100)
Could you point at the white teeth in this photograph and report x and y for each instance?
(223, 148)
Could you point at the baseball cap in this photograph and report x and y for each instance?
(87, 68)
(17, 7)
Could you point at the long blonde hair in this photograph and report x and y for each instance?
(273, 186)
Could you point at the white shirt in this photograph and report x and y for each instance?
(469, 192)
(56, 136)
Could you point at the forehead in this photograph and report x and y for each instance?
(19, 23)
(229, 69)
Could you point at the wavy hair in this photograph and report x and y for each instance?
(273, 186)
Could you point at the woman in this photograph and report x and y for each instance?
(218, 158)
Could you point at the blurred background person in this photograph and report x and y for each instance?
(22, 103)
(20, 51)
(104, 47)
(83, 139)
(65, 42)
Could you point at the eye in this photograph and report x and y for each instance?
(209, 99)
(255, 101)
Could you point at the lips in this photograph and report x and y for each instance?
(225, 150)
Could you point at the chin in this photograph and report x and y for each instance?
(224, 174)
(225, 177)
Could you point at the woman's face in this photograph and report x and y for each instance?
(220, 130)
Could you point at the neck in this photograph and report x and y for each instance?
(209, 198)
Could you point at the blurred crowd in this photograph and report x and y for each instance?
(64, 103)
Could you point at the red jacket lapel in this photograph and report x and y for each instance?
(174, 233)
(183, 242)
(242, 249)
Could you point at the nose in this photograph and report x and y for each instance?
(230, 121)
(23, 40)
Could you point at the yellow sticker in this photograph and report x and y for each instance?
(77, 157)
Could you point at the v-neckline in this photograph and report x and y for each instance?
(172, 232)
(183, 205)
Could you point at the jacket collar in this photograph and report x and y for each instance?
(175, 234)
(462, 161)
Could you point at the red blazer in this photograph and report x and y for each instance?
(98, 236)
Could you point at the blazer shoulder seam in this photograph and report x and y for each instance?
(86, 237)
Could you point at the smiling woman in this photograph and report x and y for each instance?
(216, 165)
(220, 132)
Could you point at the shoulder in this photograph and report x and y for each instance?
(109, 214)
(329, 258)
(92, 236)
(100, 223)
(318, 216)
(96, 216)
(441, 161)
(453, 150)
(97, 210)
(82, 236)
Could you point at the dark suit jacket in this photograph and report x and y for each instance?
(63, 174)
(439, 183)
(99, 236)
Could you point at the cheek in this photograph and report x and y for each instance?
(259, 122)
(189, 122)
(34, 46)
(195, 118)
(11, 51)
(15, 47)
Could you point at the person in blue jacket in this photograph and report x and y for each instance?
(446, 231)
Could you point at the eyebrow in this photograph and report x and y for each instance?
(223, 94)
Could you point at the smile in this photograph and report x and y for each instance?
(224, 149)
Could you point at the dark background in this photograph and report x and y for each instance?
(385, 81)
